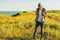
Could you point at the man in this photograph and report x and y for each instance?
(41, 13)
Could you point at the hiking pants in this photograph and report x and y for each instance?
(37, 25)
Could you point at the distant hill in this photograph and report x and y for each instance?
(8, 12)
(53, 11)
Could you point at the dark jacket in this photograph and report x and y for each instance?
(37, 10)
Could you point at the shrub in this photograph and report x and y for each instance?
(24, 11)
(53, 26)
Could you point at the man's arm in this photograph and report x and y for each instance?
(45, 13)
(37, 11)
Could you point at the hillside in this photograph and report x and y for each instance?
(21, 27)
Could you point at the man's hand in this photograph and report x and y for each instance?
(44, 13)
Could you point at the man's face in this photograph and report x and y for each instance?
(40, 7)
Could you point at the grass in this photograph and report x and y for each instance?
(22, 27)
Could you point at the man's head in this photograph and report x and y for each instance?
(40, 6)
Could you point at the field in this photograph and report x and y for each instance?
(22, 27)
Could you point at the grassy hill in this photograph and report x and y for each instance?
(22, 27)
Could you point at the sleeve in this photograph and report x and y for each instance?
(37, 11)
(45, 10)
(45, 13)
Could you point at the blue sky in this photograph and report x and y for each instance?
(29, 5)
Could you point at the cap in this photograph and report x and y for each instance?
(39, 4)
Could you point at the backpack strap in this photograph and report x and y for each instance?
(37, 10)
(43, 10)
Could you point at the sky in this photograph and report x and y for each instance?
(28, 5)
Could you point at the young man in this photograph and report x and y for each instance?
(41, 13)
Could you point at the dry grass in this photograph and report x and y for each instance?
(22, 27)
